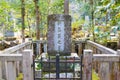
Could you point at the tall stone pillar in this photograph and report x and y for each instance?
(59, 34)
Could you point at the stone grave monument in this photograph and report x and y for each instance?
(59, 35)
(58, 42)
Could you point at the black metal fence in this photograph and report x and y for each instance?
(58, 68)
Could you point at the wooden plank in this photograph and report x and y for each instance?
(4, 69)
(0, 70)
(27, 70)
(106, 57)
(10, 57)
(11, 70)
(117, 68)
(104, 71)
(102, 48)
(87, 61)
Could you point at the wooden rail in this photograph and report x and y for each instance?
(94, 46)
(15, 60)
(104, 60)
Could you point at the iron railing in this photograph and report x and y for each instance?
(58, 68)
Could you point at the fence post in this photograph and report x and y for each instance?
(3, 65)
(87, 61)
(11, 70)
(80, 49)
(0, 70)
(57, 66)
(27, 62)
(117, 68)
(73, 48)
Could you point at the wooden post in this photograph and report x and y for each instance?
(4, 70)
(80, 47)
(11, 70)
(117, 68)
(104, 71)
(87, 69)
(66, 7)
(0, 70)
(38, 47)
(27, 61)
(45, 47)
(73, 48)
(111, 69)
(20, 63)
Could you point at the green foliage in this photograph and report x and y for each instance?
(106, 12)
(5, 16)
(102, 34)
(57, 7)
(1, 38)
(38, 66)
(77, 24)
(94, 75)
(20, 77)
(110, 8)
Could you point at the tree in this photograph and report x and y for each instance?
(37, 19)
(92, 18)
(66, 7)
(23, 19)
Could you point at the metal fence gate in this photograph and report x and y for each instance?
(58, 68)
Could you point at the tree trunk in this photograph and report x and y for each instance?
(92, 15)
(37, 19)
(93, 25)
(29, 26)
(66, 7)
(23, 19)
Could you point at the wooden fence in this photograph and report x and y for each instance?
(15, 60)
(105, 61)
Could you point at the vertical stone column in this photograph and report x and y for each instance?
(59, 34)
(87, 61)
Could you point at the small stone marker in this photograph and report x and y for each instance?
(59, 34)
(9, 33)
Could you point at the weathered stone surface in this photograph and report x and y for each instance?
(59, 34)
